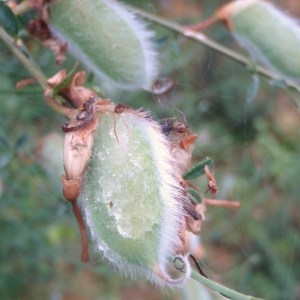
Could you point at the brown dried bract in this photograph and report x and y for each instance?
(181, 140)
(79, 139)
(84, 118)
(120, 108)
(41, 6)
(23, 83)
(39, 29)
(76, 92)
(212, 183)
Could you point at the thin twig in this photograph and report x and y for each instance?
(204, 40)
(227, 292)
(27, 63)
(37, 74)
(231, 294)
(83, 233)
(222, 203)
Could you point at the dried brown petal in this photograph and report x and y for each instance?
(39, 29)
(57, 78)
(212, 183)
(58, 48)
(78, 149)
(181, 140)
(188, 141)
(195, 225)
(23, 83)
(71, 188)
(76, 92)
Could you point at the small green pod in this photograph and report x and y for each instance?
(269, 35)
(132, 200)
(108, 39)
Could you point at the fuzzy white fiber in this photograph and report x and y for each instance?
(145, 36)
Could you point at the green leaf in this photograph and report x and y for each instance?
(194, 195)
(64, 83)
(198, 170)
(8, 20)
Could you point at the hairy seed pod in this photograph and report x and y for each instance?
(131, 198)
(271, 37)
(108, 39)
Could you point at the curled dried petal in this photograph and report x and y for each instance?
(71, 188)
(76, 92)
(195, 225)
(39, 29)
(57, 78)
(188, 141)
(78, 149)
(25, 82)
(212, 183)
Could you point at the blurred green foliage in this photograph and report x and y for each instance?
(255, 144)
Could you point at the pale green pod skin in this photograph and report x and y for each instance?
(271, 37)
(108, 39)
(131, 200)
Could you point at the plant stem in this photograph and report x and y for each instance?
(204, 40)
(83, 233)
(35, 71)
(231, 294)
(28, 64)
(226, 292)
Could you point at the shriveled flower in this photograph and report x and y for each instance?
(76, 92)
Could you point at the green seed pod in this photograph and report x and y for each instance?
(270, 36)
(108, 39)
(131, 198)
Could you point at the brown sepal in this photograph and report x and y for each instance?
(76, 92)
(71, 188)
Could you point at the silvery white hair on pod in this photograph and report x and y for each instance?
(145, 37)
